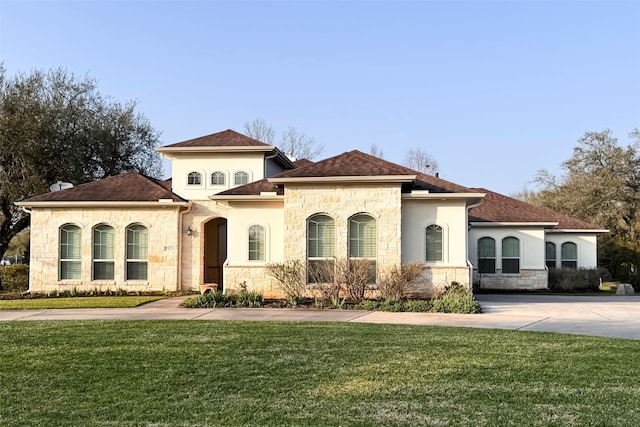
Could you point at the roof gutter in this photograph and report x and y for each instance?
(343, 179)
(95, 204)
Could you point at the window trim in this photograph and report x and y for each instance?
(220, 173)
(548, 260)
(238, 173)
(491, 258)
(572, 261)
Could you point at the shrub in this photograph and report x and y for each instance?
(219, 299)
(456, 299)
(417, 306)
(15, 277)
(573, 280)
(400, 282)
(249, 299)
(289, 277)
(353, 275)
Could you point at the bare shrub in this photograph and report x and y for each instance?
(354, 276)
(399, 282)
(289, 277)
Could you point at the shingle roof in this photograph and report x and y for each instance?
(127, 187)
(496, 207)
(253, 189)
(227, 138)
(302, 162)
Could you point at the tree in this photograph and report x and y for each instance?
(374, 150)
(601, 185)
(421, 161)
(294, 144)
(55, 126)
(260, 130)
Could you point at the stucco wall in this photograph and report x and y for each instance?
(587, 247)
(531, 245)
(206, 163)
(162, 224)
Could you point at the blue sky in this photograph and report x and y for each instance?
(494, 90)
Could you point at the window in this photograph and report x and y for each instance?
(569, 253)
(434, 243)
(550, 254)
(256, 243)
(362, 242)
(217, 178)
(486, 255)
(137, 252)
(194, 178)
(510, 255)
(240, 178)
(320, 249)
(103, 239)
(70, 252)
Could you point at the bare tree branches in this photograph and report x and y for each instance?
(421, 161)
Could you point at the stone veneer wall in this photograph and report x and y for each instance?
(162, 223)
(526, 280)
(254, 277)
(341, 201)
(436, 279)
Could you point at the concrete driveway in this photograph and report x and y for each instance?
(613, 316)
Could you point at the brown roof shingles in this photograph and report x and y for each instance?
(253, 189)
(127, 187)
(496, 207)
(227, 138)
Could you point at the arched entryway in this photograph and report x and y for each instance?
(214, 241)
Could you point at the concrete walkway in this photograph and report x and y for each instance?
(617, 317)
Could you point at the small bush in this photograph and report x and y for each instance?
(417, 306)
(573, 280)
(249, 299)
(14, 278)
(400, 282)
(219, 299)
(456, 299)
(289, 277)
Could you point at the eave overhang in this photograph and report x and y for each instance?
(578, 230)
(512, 224)
(226, 149)
(247, 198)
(344, 179)
(97, 204)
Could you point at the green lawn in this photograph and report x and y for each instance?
(198, 373)
(77, 302)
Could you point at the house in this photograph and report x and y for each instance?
(236, 204)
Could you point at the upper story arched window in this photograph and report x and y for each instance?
(240, 178)
(194, 178)
(217, 178)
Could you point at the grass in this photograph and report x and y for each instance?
(77, 302)
(197, 373)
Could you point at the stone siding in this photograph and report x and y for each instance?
(162, 251)
(526, 280)
(436, 279)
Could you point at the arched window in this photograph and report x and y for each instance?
(70, 250)
(320, 249)
(103, 242)
(486, 255)
(137, 252)
(240, 178)
(511, 255)
(256, 243)
(194, 178)
(362, 242)
(550, 254)
(434, 243)
(217, 178)
(569, 253)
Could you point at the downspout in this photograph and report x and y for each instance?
(467, 244)
(180, 237)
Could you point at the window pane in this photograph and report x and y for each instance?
(136, 271)
(240, 178)
(487, 266)
(103, 270)
(511, 266)
(70, 270)
(320, 271)
(486, 248)
(321, 236)
(256, 243)
(434, 243)
(137, 252)
(362, 237)
(103, 242)
(193, 178)
(569, 251)
(510, 247)
(570, 264)
(70, 252)
(217, 178)
(550, 251)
